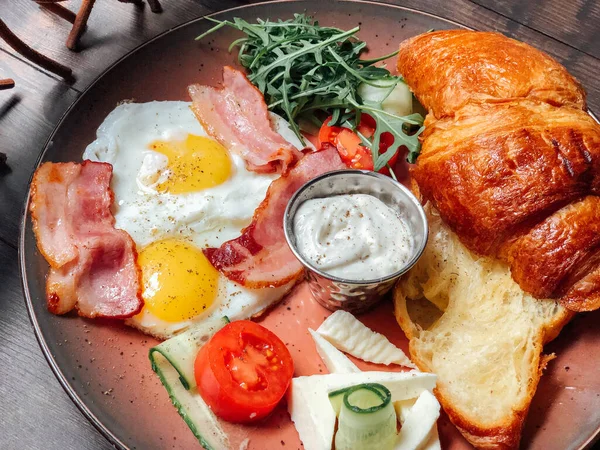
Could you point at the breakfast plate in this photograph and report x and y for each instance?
(103, 365)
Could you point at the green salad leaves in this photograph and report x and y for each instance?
(308, 72)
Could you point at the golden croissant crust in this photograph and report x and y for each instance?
(510, 158)
(561, 255)
(447, 69)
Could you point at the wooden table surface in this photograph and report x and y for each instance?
(34, 410)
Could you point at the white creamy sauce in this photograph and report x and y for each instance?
(354, 236)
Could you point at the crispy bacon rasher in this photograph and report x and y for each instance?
(92, 265)
(236, 115)
(260, 257)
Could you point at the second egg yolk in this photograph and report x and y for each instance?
(179, 283)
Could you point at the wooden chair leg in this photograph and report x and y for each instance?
(59, 10)
(155, 6)
(35, 57)
(80, 21)
(7, 83)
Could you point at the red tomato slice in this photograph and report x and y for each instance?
(243, 371)
(385, 142)
(367, 125)
(392, 163)
(350, 147)
(352, 152)
(328, 134)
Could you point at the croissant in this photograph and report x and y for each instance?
(447, 69)
(510, 158)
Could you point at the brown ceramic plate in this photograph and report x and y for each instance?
(104, 366)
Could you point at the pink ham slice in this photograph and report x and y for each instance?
(260, 257)
(92, 265)
(237, 117)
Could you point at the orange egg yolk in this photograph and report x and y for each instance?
(195, 163)
(179, 283)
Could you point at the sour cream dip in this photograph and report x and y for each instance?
(353, 236)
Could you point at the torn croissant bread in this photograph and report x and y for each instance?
(479, 332)
(510, 174)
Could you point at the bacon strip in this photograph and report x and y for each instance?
(92, 265)
(237, 117)
(260, 257)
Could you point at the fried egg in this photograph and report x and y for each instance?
(178, 191)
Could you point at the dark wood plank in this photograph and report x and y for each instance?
(28, 114)
(576, 22)
(36, 413)
(114, 28)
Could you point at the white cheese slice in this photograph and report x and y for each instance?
(335, 361)
(313, 415)
(420, 421)
(434, 440)
(403, 408)
(348, 334)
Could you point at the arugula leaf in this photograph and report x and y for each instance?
(306, 71)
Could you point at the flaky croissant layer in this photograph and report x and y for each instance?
(447, 69)
(510, 158)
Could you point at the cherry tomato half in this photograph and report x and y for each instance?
(367, 125)
(385, 142)
(350, 147)
(243, 371)
(352, 152)
(328, 134)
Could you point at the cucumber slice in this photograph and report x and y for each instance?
(192, 409)
(337, 399)
(173, 362)
(367, 419)
(367, 398)
(378, 393)
(396, 100)
(182, 349)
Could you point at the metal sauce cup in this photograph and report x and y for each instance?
(356, 296)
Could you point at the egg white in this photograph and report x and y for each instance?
(232, 301)
(206, 218)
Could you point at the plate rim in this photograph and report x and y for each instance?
(56, 370)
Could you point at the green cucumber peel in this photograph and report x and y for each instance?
(342, 396)
(367, 419)
(180, 351)
(173, 362)
(156, 367)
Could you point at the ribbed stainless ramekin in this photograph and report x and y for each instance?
(356, 296)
